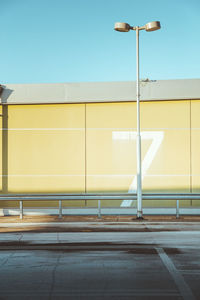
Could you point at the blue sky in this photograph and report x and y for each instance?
(74, 41)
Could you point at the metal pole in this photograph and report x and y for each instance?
(99, 209)
(60, 209)
(21, 209)
(139, 167)
(177, 209)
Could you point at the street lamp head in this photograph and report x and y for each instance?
(152, 26)
(123, 27)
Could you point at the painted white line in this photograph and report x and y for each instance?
(145, 128)
(42, 175)
(97, 129)
(96, 175)
(42, 129)
(182, 286)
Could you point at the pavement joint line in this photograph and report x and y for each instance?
(54, 276)
(20, 238)
(190, 272)
(182, 286)
(6, 259)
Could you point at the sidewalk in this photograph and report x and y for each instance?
(94, 218)
(93, 224)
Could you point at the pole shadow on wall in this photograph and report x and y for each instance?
(4, 95)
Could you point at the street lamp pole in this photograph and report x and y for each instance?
(124, 27)
(139, 164)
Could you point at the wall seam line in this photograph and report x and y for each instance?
(85, 154)
(191, 148)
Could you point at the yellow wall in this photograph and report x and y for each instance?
(195, 147)
(46, 149)
(92, 147)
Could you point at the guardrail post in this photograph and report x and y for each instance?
(21, 209)
(60, 209)
(99, 209)
(177, 209)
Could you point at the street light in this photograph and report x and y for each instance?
(124, 27)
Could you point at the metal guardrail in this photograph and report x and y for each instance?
(96, 196)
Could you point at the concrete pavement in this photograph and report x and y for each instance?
(100, 260)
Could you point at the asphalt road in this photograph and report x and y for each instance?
(157, 264)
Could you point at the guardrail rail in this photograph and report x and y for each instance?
(95, 196)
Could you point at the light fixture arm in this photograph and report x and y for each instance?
(137, 28)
